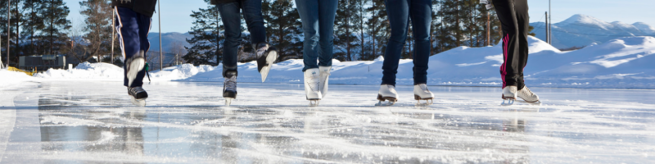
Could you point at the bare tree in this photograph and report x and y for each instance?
(178, 49)
(98, 20)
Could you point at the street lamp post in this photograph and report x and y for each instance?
(8, 29)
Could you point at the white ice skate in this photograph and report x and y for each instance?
(421, 92)
(312, 91)
(387, 96)
(230, 87)
(324, 78)
(511, 92)
(266, 55)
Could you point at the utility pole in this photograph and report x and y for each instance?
(113, 35)
(550, 29)
(547, 32)
(8, 29)
(218, 34)
(161, 59)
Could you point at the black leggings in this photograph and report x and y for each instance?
(513, 15)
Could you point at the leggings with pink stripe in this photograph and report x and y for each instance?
(513, 15)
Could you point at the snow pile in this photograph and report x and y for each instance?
(10, 78)
(87, 71)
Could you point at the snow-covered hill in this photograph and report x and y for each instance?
(619, 63)
(582, 30)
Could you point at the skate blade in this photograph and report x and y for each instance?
(313, 103)
(138, 102)
(428, 102)
(131, 75)
(508, 102)
(272, 56)
(386, 101)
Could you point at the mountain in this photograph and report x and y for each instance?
(168, 39)
(583, 30)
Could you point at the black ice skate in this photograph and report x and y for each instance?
(266, 55)
(139, 95)
(230, 87)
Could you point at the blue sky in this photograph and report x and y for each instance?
(175, 15)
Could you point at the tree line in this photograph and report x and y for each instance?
(361, 30)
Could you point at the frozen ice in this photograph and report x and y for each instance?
(187, 122)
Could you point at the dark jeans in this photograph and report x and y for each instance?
(400, 12)
(132, 29)
(252, 12)
(513, 15)
(318, 25)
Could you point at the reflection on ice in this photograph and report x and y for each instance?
(271, 123)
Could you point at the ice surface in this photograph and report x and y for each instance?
(94, 122)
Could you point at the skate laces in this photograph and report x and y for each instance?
(424, 88)
(231, 83)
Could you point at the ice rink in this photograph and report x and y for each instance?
(94, 122)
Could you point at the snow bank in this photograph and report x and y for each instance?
(11, 78)
(85, 71)
(619, 63)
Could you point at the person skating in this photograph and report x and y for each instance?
(513, 15)
(317, 18)
(400, 12)
(266, 55)
(133, 24)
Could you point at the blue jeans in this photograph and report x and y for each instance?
(252, 12)
(318, 25)
(399, 13)
(132, 29)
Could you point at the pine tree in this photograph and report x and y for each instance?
(378, 29)
(284, 28)
(207, 41)
(54, 19)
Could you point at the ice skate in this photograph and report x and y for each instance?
(324, 78)
(510, 93)
(421, 92)
(230, 87)
(312, 92)
(134, 65)
(528, 96)
(266, 55)
(138, 95)
(387, 96)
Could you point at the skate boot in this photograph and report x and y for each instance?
(509, 95)
(266, 55)
(134, 65)
(421, 92)
(324, 78)
(312, 92)
(138, 94)
(230, 87)
(387, 93)
(528, 96)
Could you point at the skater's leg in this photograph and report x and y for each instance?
(509, 70)
(127, 28)
(308, 10)
(232, 21)
(421, 17)
(252, 13)
(523, 20)
(326, 13)
(144, 27)
(398, 14)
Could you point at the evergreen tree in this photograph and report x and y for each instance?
(346, 40)
(207, 41)
(378, 29)
(283, 28)
(54, 18)
(33, 26)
